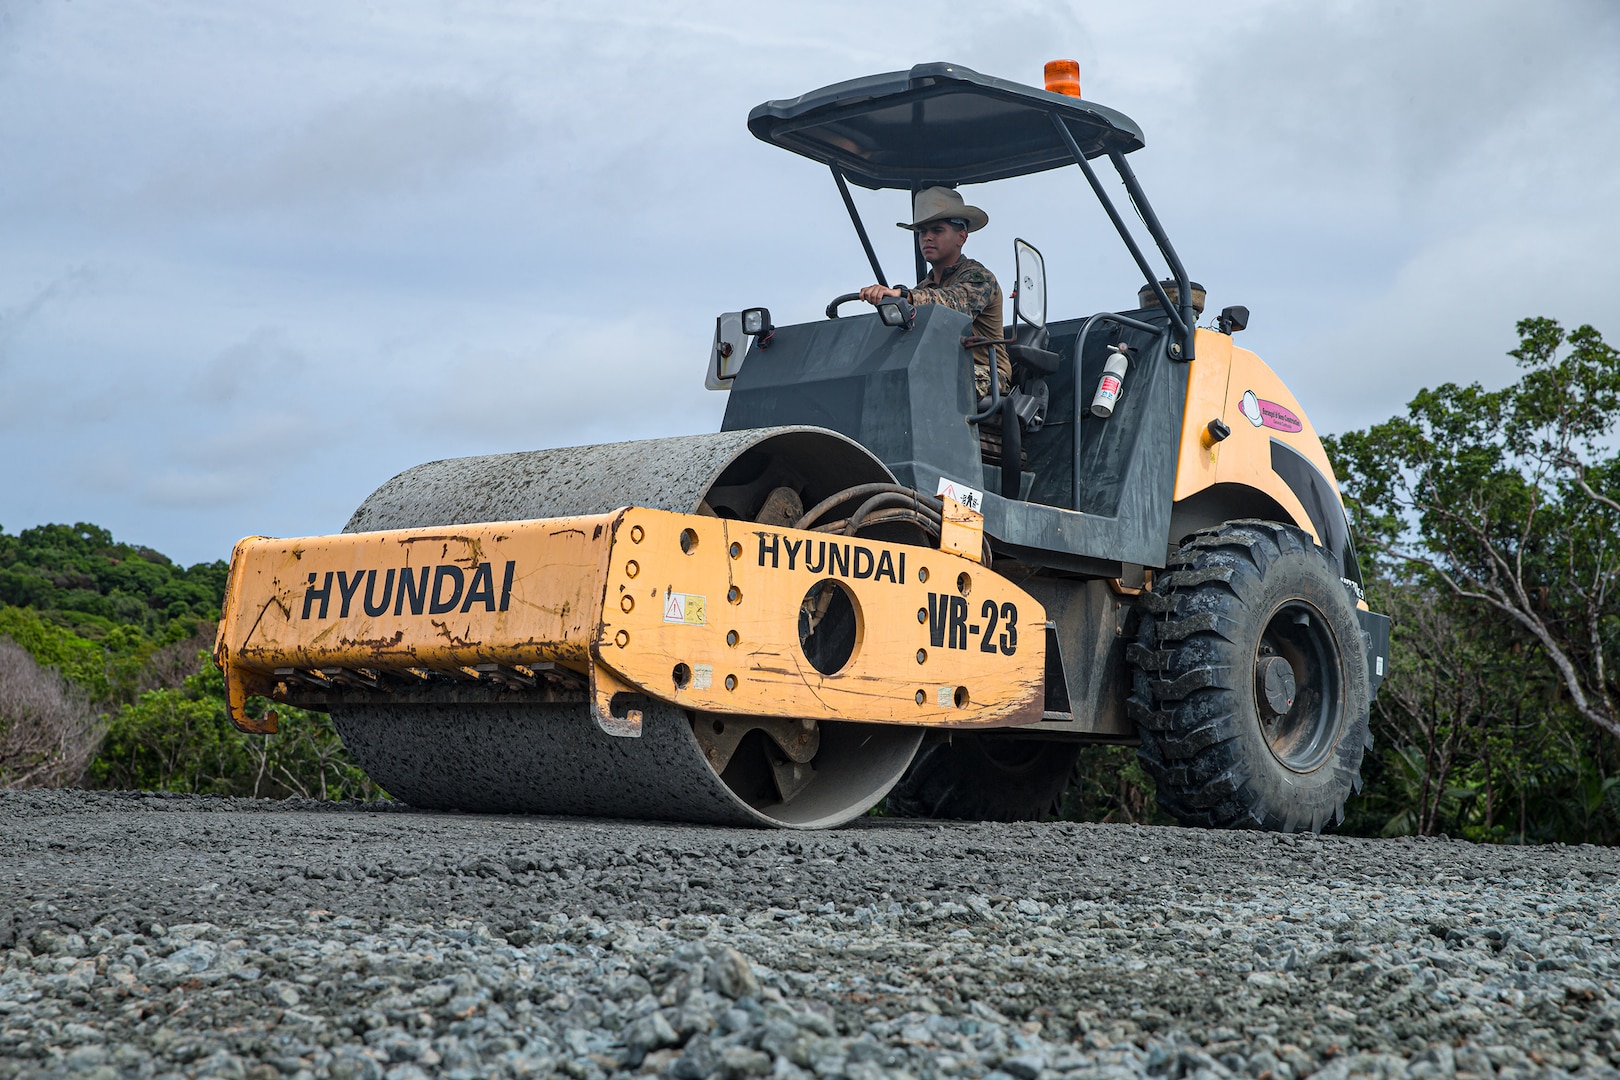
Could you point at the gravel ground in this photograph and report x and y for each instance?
(143, 935)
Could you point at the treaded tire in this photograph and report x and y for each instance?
(1220, 751)
(985, 778)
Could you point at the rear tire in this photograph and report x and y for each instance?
(1250, 683)
(986, 778)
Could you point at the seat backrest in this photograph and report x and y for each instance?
(1034, 337)
(1030, 351)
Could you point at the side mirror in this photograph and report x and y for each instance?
(726, 356)
(1029, 296)
(1233, 319)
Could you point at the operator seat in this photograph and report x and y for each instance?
(1023, 408)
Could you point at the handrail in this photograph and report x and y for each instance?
(1119, 222)
(1139, 199)
(1079, 408)
(1178, 318)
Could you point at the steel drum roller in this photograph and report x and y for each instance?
(551, 758)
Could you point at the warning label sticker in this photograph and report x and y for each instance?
(688, 608)
(972, 498)
(702, 676)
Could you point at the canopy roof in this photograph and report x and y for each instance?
(938, 124)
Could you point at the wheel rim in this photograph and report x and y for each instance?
(1299, 695)
(846, 767)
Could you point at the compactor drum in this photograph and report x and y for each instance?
(549, 757)
(870, 583)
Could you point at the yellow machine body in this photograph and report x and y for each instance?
(1218, 383)
(698, 611)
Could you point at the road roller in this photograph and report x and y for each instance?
(872, 585)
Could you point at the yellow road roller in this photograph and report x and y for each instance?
(873, 583)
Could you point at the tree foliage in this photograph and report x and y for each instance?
(182, 739)
(1491, 522)
(118, 634)
(1503, 498)
(92, 584)
(48, 731)
(85, 663)
(1109, 784)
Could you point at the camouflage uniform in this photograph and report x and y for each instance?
(969, 287)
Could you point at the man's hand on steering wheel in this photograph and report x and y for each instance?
(873, 293)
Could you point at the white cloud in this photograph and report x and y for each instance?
(354, 154)
(262, 363)
(16, 320)
(259, 260)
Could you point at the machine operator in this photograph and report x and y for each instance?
(942, 222)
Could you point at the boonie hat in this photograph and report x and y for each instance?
(940, 203)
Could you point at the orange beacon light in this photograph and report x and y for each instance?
(1063, 77)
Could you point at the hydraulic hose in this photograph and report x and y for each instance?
(859, 491)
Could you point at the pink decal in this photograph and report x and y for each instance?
(1278, 418)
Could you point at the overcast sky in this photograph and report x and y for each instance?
(259, 258)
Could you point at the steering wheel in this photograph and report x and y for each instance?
(832, 308)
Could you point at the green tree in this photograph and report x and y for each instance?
(1492, 524)
(90, 583)
(1507, 499)
(182, 739)
(78, 659)
(126, 629)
